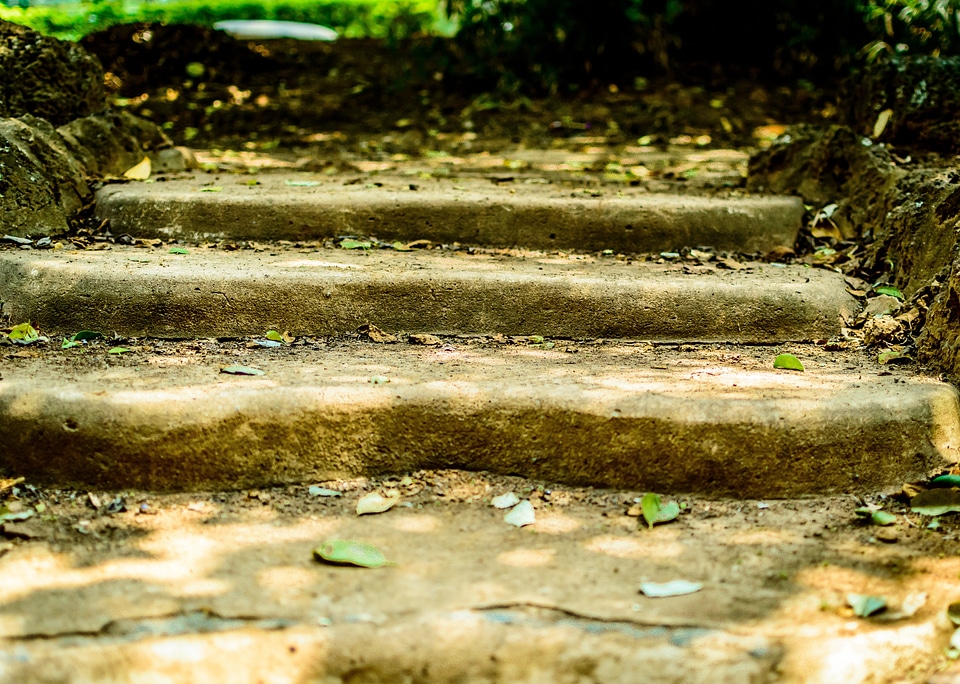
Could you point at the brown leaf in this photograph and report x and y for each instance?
(424, 339)
(375, 334)
(731, 264)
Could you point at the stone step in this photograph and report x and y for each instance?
(714, 420)
(298, 206)
(223, 588)
(218, 293)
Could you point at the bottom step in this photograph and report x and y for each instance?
(223, 587)
(707, 419)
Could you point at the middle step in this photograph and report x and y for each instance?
(211, 293)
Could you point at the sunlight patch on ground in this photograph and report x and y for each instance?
(556, 523)
(660, 546)
(762, 537)
(528, 558)
(179, 558)
(416, 523)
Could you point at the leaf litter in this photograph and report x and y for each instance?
(349, 552)
(377, 502)
(242, 370)
(521, 515)
(678, 587)
(508, 500)
(655, 511)
(787, 362)
(876, 516)
(23, 334)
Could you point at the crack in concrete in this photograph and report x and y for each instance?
(173, 624)
(561, 613)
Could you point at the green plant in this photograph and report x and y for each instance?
(352, 18)
(912, 26)
(559, 44)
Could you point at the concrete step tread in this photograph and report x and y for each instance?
(212, 292)
(717, 419)
(298, 206)
(222, 584)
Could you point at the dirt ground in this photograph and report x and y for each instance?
(411, 98)
(116, 567)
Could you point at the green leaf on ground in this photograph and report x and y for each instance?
(6, 515)
(212, 188)
(787, 362)
(117, 350)
(668, 589)
(668, 511)
(23, 334)
(242, 370)
(948, 480)
(348, 552)
(864, 606)
(650, 507)
(274, 335)
(301, 183)
(877, 517)
(893, 356)
(888, 290)
(69, 343)
(86, 335)
(379, 380)
(355, 244)
(400, 247)
(179, 250)
(936, 502)
(375, 502)
(655, 511)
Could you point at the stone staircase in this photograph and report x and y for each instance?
(539, 345)
(604, 366)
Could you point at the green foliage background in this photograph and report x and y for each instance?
(554, 45)
(352, 18)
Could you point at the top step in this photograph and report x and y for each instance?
(299, 206)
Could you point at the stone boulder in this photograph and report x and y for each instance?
(939, 343)
(109, 143)
(47, 83)
(41, 182)
(46, 77)
(44, 171)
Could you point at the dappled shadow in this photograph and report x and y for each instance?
(240, 572)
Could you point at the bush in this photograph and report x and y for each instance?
(561, 45)
(352, 18)
(552, 43)
(912, 26)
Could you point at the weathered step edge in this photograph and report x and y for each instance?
(262, 434)
(457, 647)
(183, 298)
(649, 223)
